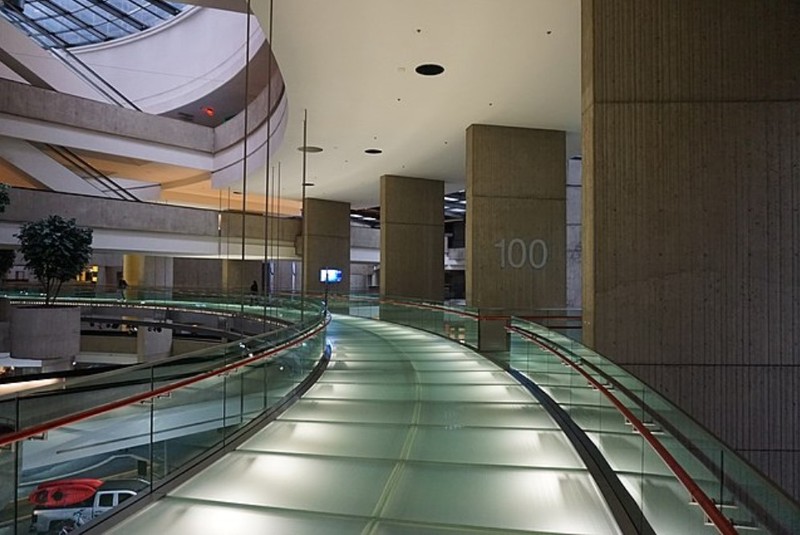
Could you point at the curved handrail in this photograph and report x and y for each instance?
(166, 389)
(720, 521)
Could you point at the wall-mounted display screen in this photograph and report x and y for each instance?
(330, 275)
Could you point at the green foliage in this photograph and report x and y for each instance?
(6, 261)
(4, 198)
(56, 250)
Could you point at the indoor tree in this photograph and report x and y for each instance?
(56, 250)
(6, 255)
(6, 262)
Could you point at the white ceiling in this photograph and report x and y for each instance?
(350, 63)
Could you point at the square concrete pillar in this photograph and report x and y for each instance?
(516, 223)
(691, 187)
(326, 244)
(412, 238)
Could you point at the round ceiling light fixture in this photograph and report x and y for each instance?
(429, 69)
(310, 149)
(373, 151)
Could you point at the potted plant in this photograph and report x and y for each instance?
(56, 250)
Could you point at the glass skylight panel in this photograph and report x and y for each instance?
(66, 23)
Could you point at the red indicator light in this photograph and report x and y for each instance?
(209, 111)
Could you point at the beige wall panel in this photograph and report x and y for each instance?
(327, 252)
(327, 218)
(692, 185)
(237, 276)
(283, 229)
(516, 220)
(412, 238)
(197, 273)
(100, 213)
(415, 201)
(412, 261)
(682, 50)
(748, 419)
(326, 228)
(516, 262)
(32, 102)
(516, 162)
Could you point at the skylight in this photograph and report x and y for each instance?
(70, 23)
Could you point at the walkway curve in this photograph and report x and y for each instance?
(404, 433)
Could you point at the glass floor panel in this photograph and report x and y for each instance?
(182, 516)
(405, 433)
(338, 439)
(505, 415)
(530, 500)
(390, 412)
(518, 447)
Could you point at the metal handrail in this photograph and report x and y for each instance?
(720, 521)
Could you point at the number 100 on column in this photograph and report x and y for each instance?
(517, 253)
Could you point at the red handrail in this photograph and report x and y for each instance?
(720, 521)
(130, 400)
(431, 306)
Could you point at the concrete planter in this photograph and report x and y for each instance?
(49, 334)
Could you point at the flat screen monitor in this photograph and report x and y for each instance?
(330, 275)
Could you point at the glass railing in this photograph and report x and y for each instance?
(651, 444)
(457, 323)
(138, 427)
(664, 459)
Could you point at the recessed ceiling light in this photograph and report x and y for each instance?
(429, 69)
(310, 149)
(373, 151)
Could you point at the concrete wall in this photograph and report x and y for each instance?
(283, 229)
(326, 243)
(412, 238)
(58, 108)
(516, 218)
(147, 271)
(31, 205)
(692, 179)
(574, 247)
(238, 275)
(197, 273)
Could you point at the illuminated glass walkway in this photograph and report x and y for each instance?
(405, 433)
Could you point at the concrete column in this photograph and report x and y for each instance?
(516, 223)
(412, 238)
(326, 244)
(238, 276)
(142, 271)
(198, 273)
(692, 186)
(153, 343)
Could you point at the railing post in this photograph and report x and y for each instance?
(492, 333)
